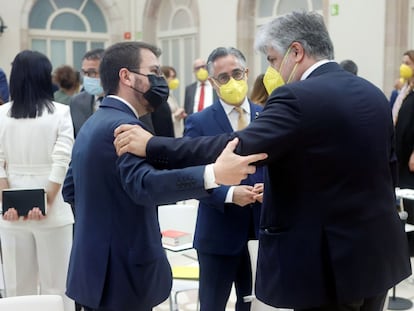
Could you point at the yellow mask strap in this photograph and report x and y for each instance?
(292, 74)
(284, 60)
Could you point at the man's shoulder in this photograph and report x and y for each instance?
(82, 96)
(191, 85)
(205, 113)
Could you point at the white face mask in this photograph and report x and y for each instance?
(92, 85)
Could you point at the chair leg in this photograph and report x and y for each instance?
(176, 301)
(173, 301)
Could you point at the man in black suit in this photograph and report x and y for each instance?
(330, 237)
(200, 94)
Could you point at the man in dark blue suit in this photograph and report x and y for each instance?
(117, 261)
(229, 216)
(330, 235)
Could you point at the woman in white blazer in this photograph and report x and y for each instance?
(36, 139)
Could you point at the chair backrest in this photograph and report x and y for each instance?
(32, 303)
(180, 217)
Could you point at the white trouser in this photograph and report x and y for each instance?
(35, 261)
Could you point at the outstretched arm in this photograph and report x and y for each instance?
(229, 168)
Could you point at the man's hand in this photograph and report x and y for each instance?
(131, 138)
(231, 169)
(243, 195)
(258, 190)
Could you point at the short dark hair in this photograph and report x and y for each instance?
(31, 87)
(121, 55)
(95, 54)
(349, 66)
(221, 52)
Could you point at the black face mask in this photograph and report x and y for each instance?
(158, 92)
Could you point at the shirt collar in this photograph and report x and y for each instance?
(229, 108)
(206, 83)
(126, 103)
(314, 66)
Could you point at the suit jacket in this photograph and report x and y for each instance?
(222, 228)
(329, 190)
(162, 121)
(190, 91)
(4, 87)
(117, 260)
(81, 108)
(404, 132)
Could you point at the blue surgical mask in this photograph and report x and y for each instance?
(92, 85)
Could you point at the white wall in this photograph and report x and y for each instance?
(10, 43)
(358, 34)
(217, 24)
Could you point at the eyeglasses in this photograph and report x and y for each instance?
(154, 70)
(236, 74)
(91, 73)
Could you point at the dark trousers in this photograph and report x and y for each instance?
(368, 304)
(217, 274)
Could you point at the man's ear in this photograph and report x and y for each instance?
(124, 76)
(297, 48)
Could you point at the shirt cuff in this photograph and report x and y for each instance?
(209, 178)
(229, 195)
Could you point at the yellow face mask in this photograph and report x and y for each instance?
(273, 78)
(202, 74)
(233, 92)
(405, 72)
(173, 84)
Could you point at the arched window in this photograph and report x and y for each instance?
(268, 9)
(178, 39)
(65, 30)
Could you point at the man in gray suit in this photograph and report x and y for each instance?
(84, 104)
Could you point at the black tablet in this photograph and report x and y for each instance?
(23, 200)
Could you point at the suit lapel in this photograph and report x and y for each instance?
(254, 111)
(87, 110)
(221, 117)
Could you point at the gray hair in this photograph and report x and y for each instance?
(307, 28)
(221, 52)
